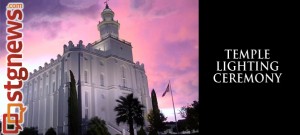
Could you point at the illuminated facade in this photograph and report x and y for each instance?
(107, 71)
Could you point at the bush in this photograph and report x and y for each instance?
(153, 132)
(29, 131)
(50, 131)
(97, 126)
(141, 132)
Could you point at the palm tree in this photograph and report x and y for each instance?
(130, 111)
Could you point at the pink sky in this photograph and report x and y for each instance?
(164, 36)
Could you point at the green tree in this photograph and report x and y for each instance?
(130, 111)
(97, 126)
(157, 123)
(73, 112)
(191, 115)
(50, 131)
(141, 131)
(154, 101)
(29, 131)
(155, 117)
(181, 125)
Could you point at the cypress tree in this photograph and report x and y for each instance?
(156, 118)
(154, 101)
(73, 113)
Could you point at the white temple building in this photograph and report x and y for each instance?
(104, 70)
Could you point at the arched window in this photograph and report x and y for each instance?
(47, 89)
(41, 91)
(101, 63)
(66, 76)
(124, 82)
(85, 77)
(29, 90)
(123, 72)
(53, 87)
(86, 113)
(123, 77)
(86, 99)
(101, 80)
(59, 81)
(35, 90)
(40, 86)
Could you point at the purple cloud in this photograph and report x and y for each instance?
(142, 5)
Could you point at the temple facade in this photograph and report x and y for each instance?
(104, 70)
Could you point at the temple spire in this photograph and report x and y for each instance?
(106, 2)
(108, 26)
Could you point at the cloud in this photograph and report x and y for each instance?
(143, 6)
(78, 4)
(166, 40)
(47, 15)
(164, 36)
(164, 11)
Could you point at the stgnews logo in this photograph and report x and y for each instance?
(16, 73)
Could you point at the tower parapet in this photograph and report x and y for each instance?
(81, 47)
(139, 66)
(46, 66)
